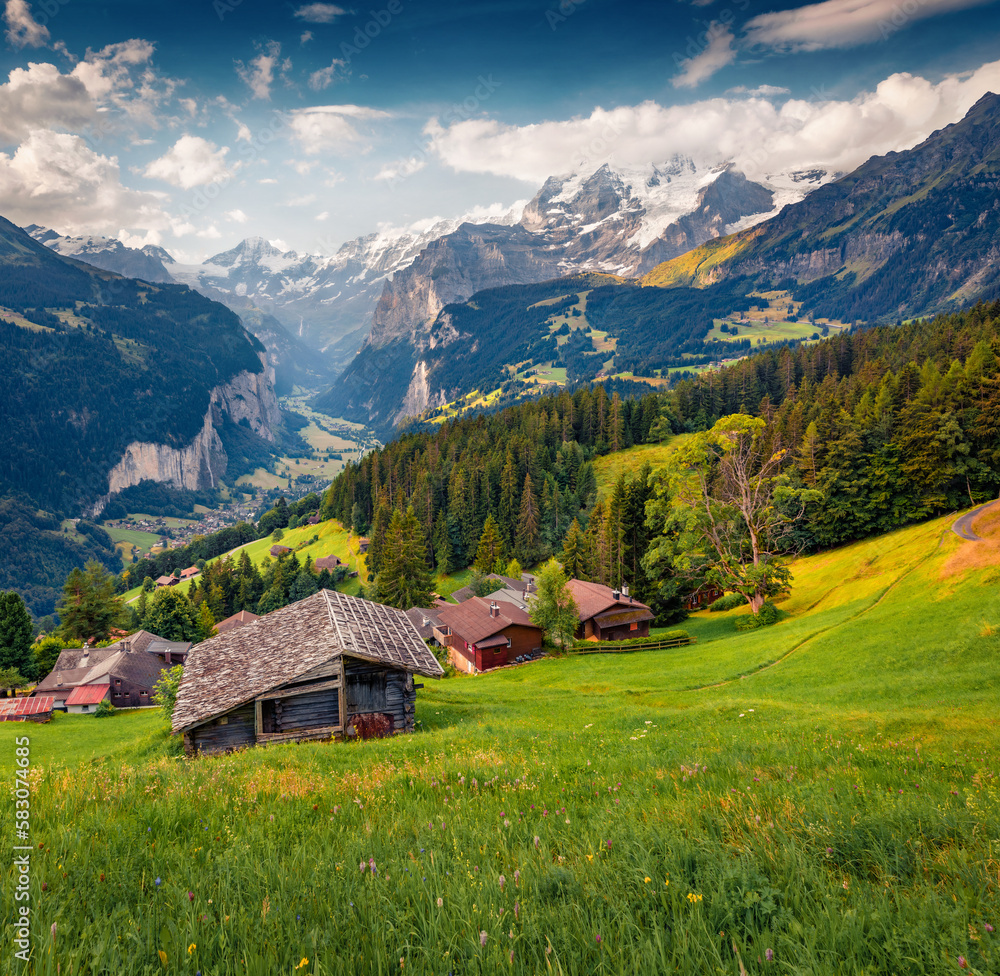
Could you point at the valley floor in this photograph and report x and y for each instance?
(817, 797)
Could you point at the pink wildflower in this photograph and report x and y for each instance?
(961, 962)
(503, 881)
(190, 896)
(482, 938)
(769, 954)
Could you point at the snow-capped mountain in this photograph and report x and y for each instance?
(617, 221)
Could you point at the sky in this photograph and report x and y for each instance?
(192, 124)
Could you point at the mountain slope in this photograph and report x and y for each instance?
(906, 233)
(104, 363)
(608, 221)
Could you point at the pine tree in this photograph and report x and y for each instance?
(443, 552)
(15, 635)
(572, 555)
(528, 539)
(404, 580)
(90, 605)
(491, 547)
(206, 622)
(303, 585)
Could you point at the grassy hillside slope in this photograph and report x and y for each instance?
(823, 792)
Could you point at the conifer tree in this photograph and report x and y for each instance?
(15, 635)
(572, 555)
(404, 580)
(89, 606)
(526, 544)
(491, 547)
(206, 622)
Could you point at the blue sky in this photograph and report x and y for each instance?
(193, 124)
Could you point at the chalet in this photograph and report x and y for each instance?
(279, 550)
(129, 669)
(482, 633)
(363, 545)
(236, 620)
(189, 573)
(167, 580)
(607, 614)
(517, 591)
(425, 619)
(328, 666)
(705, 595)
(314, 518)
(85, 698)
(327, 562)
(26, 709)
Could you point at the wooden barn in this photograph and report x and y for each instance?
(26, 709)
(483, 633)
(329, 666)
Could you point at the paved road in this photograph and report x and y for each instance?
(962, 527)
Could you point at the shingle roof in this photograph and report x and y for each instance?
(327, 562)
(417, 615)
(88, 694)
(240, 664)
(472, 622)
(594, 598)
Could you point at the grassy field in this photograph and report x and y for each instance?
(609, 467)
(821, 797)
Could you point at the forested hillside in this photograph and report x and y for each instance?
(891, 425)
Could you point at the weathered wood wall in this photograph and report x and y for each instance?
(318, 709)
(237, 732)
(375, 688)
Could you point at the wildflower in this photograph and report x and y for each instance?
(961, 962)
(598, 940)
(371, 864)
(693, 898)
(362, 867)
(517, 877)
(511, 957)
(162, 955)
(609, 845)
(769, 954)
(503, 881)
(536, 840)
(102, 876)
(190, 896)
(305, 962)
(53, 931)
(517, 909)
(646, 880)
(45, 886)
(402, 962)
(482, 938)
(988, 927)
(157, 882)
(590, 857)
(191, 948)
(666, 884)
(440, 902)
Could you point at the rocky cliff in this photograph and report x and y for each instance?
(248, 399)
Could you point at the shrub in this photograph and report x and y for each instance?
(767, 615)
(165, 690)
(105, 709)
(728, 601)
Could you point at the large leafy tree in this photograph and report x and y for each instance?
(15, 635)
(554, 609)
(727, 512)
(172, 616)
(90, 606)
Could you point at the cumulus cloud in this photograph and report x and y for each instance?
(764, 91)
(237, 216)
(842, 23)
(761, 136)
(190, 162)
(22, 29)
(258, 75)
(40, 96)
(718, 54)
(331, 128)
(325, 77)
(319, 13)
(57, 180)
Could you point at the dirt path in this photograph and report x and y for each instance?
(962, 526)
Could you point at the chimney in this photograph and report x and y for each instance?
(625, 589)
(615, 594)
(494, 609)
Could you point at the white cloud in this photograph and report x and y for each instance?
(323, 216)
(40, 96)
(302, 201)
(243, 132)
(763, 91)
(325, 77)
(319, 13)
(329, 128)
(717, 55)
(189, 105)
(760, 136)
(22, 29)
(267, 182)
(210, 233)
(237, 216)
(259, 74)
(57, 180)
(305, 37)
(191, 161)
(843, 23)
(401, 169)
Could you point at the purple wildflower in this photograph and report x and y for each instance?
(769, 954)
(482, 938)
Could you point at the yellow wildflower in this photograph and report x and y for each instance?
(162, 955)
(647, 880)
(305, 962)
(191, 948)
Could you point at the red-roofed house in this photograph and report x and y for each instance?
(236, 620)
(481, 634)
(607, 614)
(86, 698)
(26, 709)
(189, 573)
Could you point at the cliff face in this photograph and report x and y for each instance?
(246, 397)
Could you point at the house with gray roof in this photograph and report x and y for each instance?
(329, 666)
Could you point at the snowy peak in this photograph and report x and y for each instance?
(254, 251)
(106, 253)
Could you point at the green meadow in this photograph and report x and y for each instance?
(818, 797)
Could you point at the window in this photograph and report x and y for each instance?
(633, 626)
(508, 642)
